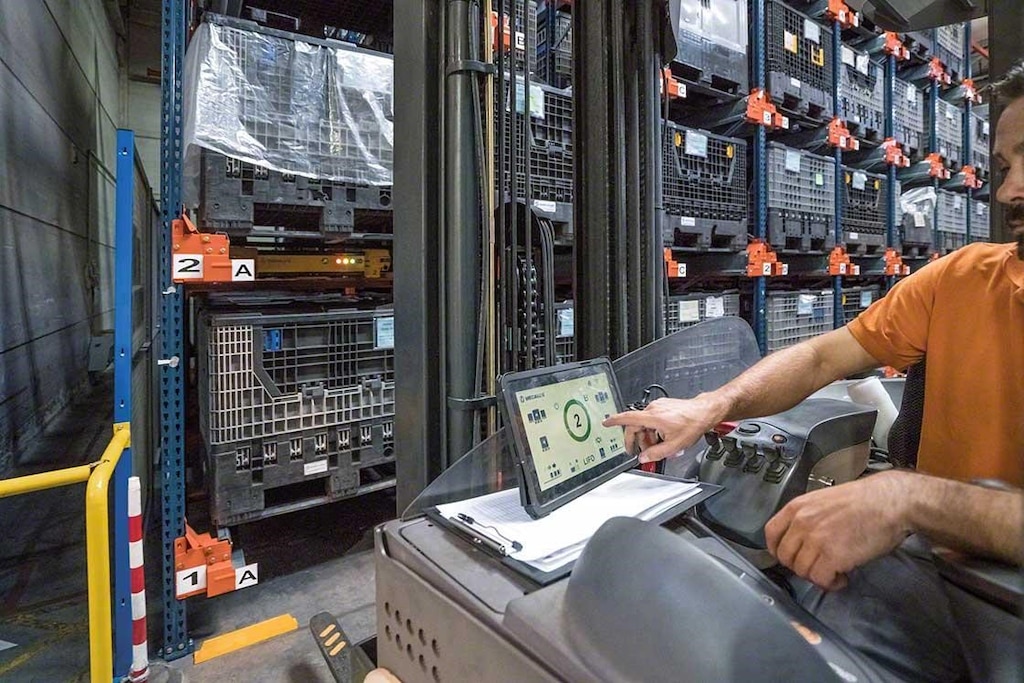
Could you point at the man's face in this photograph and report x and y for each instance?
(1009, 158)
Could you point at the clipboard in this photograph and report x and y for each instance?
(488, 543)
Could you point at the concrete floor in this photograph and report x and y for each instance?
(310, 561)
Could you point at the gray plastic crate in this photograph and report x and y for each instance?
(949, 128)
(523, 37)
(793, 317)
(949, 241)
(267, 375)
(950, 49)
(565, 332)
(857, 299)
(234, 196)
(865, 198)
(686, 310)
(981, 230)
(916, 226)
(799, 61)
(908, 116)
(861, 94)
(801, 200)
(980, 143)
(712, 44)
(550, 150)
(951, 213)
(704, 186)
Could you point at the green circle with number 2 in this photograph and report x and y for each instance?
(577, 420)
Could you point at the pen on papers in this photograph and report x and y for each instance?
(482, 534)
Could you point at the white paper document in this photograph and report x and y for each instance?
(552, 541)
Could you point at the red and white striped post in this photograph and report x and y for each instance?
(140, 651)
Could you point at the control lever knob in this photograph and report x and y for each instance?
(712, 439)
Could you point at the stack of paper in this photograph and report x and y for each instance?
(550, 542)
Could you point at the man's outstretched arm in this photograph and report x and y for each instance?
(824, 534)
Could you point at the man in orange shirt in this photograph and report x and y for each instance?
(965, 312)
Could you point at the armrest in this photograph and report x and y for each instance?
(999, 584)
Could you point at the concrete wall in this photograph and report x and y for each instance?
(61, 101)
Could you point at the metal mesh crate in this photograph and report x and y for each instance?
(268, 375)
(801, 200)
(550, 151)
(949, 128)
(864, 202)
(980, 143)
(950, 49)
(235, 195)
(951, 213)
(712, 44)
(981, 230)
(861, 94)
(908, 115)
(792, 317)
(554, 46)
(687, 310)
(857, 299)
(799, 61)
(704, 188)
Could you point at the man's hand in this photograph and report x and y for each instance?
(679, 423)
(824, 534)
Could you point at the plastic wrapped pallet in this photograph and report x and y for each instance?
(313, 108)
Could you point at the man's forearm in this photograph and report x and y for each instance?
(785, 378)
(966, 517)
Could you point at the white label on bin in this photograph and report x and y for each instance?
(189, 581)
(980, 210)
(795, 82)
(714, 307)
(545, 205)
(243, 269)
(805, 304)
(680, 270)
(949, 112)
(567, 322)
(187, 267)
(866, 298)
(984, 127)
(696, 144)
(958, 202)
(536, 100)
(860, 180)
(849, 56)
(862, 64)
(790, 42)
(819, 179)
(315, 467)
(911, 93)
(919, 219)
(812, 31)
(854, 236)
(689, 311)
(384, 333)
(687, 221)
(246, 576)
(793, 160)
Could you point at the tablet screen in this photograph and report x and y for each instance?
(562, 422)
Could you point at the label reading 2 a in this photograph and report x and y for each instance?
(187, 267)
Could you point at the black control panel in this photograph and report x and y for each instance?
(766, 462)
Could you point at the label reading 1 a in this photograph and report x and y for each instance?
(190, 581)
(187, 267)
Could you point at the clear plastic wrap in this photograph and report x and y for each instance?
(313, 108)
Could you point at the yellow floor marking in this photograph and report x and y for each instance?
(236, 640)
(337, 648)
(330, 641)
(327, 631)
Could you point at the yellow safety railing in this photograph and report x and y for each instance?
(97, 538)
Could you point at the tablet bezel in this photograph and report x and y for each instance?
(538, 502)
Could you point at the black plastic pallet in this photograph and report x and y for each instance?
(704, 190)
(236, 196)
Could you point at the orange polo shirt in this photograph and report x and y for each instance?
(966, 312)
